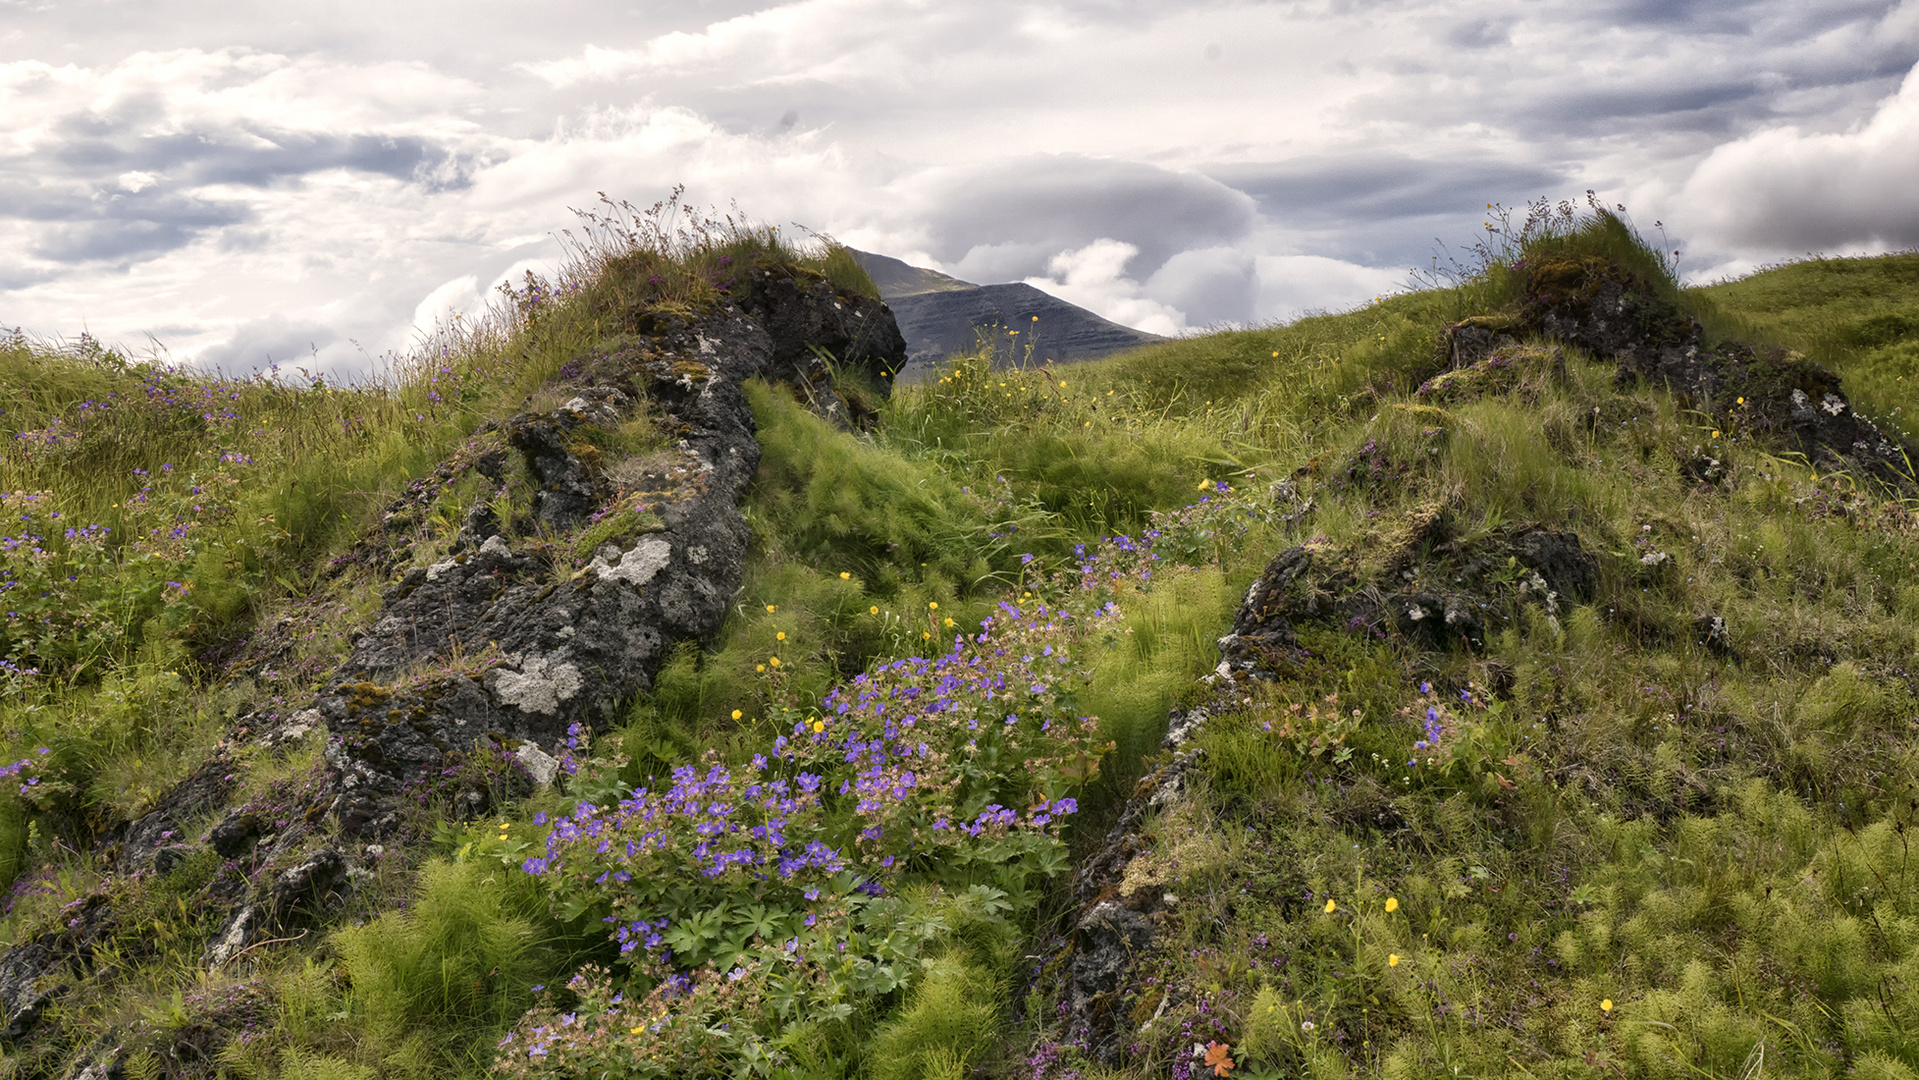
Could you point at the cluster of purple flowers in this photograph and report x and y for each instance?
(756, 875)
(23, 765)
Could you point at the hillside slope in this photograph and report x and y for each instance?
(1512, 678)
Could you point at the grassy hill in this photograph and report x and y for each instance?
(1648, 819)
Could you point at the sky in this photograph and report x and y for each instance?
(223, 185)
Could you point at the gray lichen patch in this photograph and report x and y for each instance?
(542, 765)
(539, 686)
(637, 566)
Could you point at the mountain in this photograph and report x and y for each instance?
(941, 315)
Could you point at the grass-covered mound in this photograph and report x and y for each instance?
(1603, 834)
(1647, 823)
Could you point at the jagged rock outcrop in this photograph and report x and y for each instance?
(812, 330)
(1458, 591)
(558, 648)
(512, 638)
(1775, 394)
(162, 829)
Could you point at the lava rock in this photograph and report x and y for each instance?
(27, 987)
(1711, 633)
(306, 886)
(1438, 621)
(1107, 940)
(233, 936)
(1561, 559)
(569, 490)
(1261, 628)
(801, 316)
(1774, 394)
(207, 787)
(1472, 340)
(572, 652)
(234, 836)
(169, 858)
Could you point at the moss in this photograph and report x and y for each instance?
(1526, 369)
(1567, 282)
(587, 453)
(363, 695)
(617, 527)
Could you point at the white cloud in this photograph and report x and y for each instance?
(271, 341)
(1786, 187)
(195, 172)
(1295, 285)
(1208, 286)
(1094, 277)
(457, 299)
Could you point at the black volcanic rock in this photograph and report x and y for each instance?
(941, 315)
(1777, 395)
(569, 649)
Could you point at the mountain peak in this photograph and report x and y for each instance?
(940, 315)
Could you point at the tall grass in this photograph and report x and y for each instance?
(1615, 812)
(188, 554)
(1612, 849)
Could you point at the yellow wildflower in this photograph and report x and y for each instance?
(1392, 904)
(1331, 906)
(1606, 1005)
(737, 714)
(1392, 959)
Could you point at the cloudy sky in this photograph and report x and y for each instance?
(235, 184)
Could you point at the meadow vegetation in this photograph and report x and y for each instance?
(1596, 844)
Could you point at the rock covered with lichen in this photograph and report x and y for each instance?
(515, 646)
(523, 644)
(607, 530)
(1774, 393)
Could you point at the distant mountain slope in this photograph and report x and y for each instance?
(941, 315)
(896, 278)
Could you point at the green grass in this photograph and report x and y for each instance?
(1716, 846)
(1859, 317)
(190, 555)
(1711, 848)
